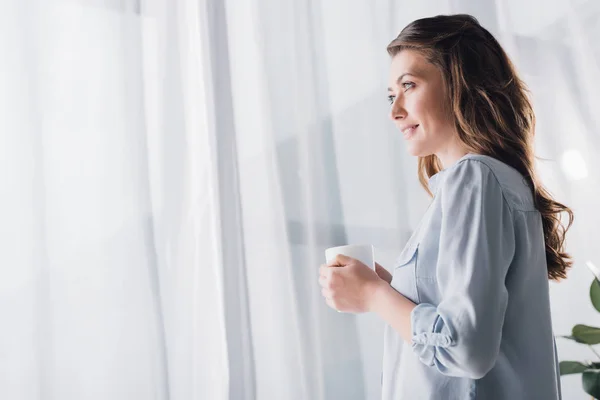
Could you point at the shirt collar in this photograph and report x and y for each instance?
(436, 179)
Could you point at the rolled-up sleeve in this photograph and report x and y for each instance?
(461, 335)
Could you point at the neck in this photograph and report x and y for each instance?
(450, 156)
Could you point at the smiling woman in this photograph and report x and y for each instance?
(469, 293)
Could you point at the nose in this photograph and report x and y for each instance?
(397, 112)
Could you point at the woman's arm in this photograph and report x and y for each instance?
(393, 308)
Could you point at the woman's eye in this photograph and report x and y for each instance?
(405, 86)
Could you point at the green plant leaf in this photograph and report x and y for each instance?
(572, 367)
(591, 382)
(595, 294)
(586, 334)
(569, 337)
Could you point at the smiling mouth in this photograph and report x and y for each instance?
(408, 132)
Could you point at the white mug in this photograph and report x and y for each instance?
(362, 252)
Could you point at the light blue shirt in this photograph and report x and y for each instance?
(476, 268)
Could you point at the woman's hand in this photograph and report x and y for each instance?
(383, 273)
(348, 285)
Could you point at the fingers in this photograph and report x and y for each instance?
(326, 290)
(339, 261)
(323, 270)
(327, 271)
(330, 303)
(332, 263)
(329, 296)
(326, 277)
(325, 282)
(322, 280)
(342, 259)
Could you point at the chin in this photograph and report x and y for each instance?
(415, 151)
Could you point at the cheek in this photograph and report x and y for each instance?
(424, 109)
(442, 111)
(417, 106)
(437, 118)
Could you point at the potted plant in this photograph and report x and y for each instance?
(588, 335)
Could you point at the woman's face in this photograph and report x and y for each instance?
(419, 105)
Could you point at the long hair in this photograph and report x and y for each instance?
(491, 110)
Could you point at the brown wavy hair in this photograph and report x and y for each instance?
(492, 111)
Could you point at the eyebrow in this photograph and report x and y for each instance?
(402, 76)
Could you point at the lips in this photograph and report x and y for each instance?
(409, 131)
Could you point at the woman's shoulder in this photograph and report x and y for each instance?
(478, 169)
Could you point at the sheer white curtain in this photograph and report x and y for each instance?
(98, 277)
(173, 171)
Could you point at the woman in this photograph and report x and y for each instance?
(467, 307)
